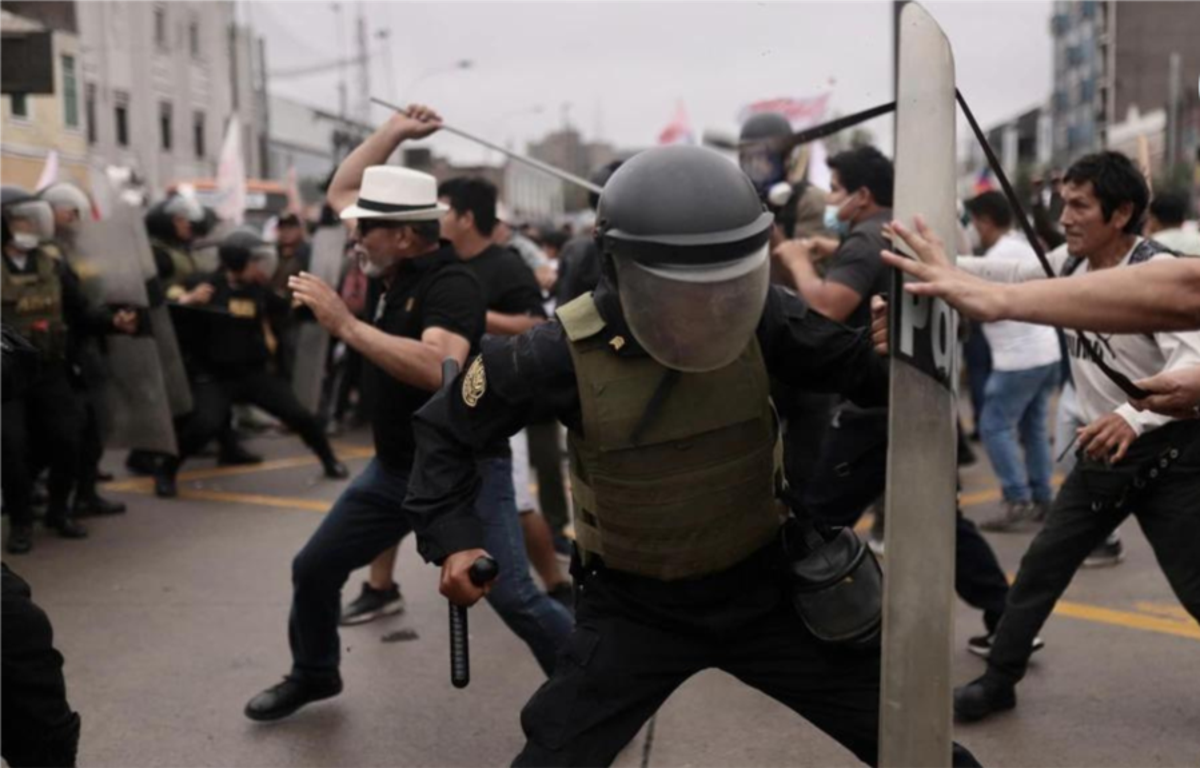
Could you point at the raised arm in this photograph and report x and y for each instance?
(419, 122)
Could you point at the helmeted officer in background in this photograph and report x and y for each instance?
(72, 207)
(43, 303)
(682, 563)
(223, 330)
(779, 173)
(173, 227)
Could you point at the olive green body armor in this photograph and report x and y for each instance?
(32, 304)
(183, 266)
(696, 493)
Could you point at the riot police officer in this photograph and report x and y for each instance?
(43, 303)
(221, 320)
(661, 377)
(779, 174)
(71, 207)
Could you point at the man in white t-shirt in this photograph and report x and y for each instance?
(1130, 462)
(1025, 372)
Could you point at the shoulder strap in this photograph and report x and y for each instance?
(580, 318)
(1148, 249)
(1070, 265)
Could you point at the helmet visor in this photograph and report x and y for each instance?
(694, 319)
(762, 165)
(37, 215)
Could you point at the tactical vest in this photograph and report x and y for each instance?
(32, 304)
(696, 493)
(183, 266)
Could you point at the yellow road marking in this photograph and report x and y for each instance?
(1128, 619)
(143, 484)
(315, 505)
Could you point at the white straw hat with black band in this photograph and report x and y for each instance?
(396, 194)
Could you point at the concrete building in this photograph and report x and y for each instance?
(1117, 62)
(311, 140)
(34, 125)
(155, 84)
(566, 149)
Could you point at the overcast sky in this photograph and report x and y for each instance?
(616, 70)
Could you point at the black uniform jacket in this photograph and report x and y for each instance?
(530, 377)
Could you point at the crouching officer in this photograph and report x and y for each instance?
(221, 319)
(42, 301)
(661, 377)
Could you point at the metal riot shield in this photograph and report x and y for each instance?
(136, 410)
(915, 716)
(179, 391)
(312, 346)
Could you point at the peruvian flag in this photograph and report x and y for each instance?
(679, 130)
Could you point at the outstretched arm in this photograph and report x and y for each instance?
(1160, 296)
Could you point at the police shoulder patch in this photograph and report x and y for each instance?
(474, 383)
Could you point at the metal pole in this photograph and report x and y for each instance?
(538, 164)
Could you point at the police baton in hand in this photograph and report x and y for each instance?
(482, 571)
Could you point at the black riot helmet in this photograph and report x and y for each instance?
(244, 247)
(688, 236)
(600, 177)
(763, 150)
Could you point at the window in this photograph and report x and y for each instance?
(198, 134)
(70, 93)
(160, 26)
(89, 108)
(20, 105)
(194, 37)
(121, 118)
(164, 125)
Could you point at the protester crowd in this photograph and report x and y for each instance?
(424, 272)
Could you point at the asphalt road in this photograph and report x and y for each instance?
(174, 614)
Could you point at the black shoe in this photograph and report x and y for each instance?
(236, 455)
(20, 539)
(982, 697)
(142, 462)
(66, 527)
(335, 470)
(96, 506)
(1110, 553)
(104, 477)
(372, 604)
(164, 485)
(982, 645)
(563, 593)
(279, 701)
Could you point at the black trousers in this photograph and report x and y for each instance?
(38, 725)
(1085, 512)
(46, 421)
(852, 473)
(637, 639)
(214, 397)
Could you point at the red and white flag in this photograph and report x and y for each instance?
(49, 171)
(231, 176)
(679, 130)
(295, 202)
(801, 113)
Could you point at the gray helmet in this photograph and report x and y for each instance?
(600, 177)
(63, 194)
(16, 203)
(688, 237)
(763, 148)
(243, 247)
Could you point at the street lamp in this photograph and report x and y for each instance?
(461, 64)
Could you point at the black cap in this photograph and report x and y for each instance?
(288, 219)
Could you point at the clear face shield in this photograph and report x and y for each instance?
(265, 260)
(31, 222)
(695, 318)
(763, 165)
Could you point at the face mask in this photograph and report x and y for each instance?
(833, 223)
(25, 241)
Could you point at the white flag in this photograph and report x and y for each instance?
(49, 171)
(231, 175)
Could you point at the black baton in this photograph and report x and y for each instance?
(482, 571)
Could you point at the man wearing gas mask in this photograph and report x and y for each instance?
(42, 301)
(685, 557)
(222, 318)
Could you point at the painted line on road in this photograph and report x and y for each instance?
(1189, 628)
(145, 484)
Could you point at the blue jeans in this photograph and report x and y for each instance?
(366, 520)
(1014, 412)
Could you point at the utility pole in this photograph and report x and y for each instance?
(341, 40)
(364, 71)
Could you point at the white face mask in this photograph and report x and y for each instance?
(25, 241)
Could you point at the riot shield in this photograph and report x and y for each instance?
(915, 706)
(312, 347)
(136, 410)
(179, 392)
